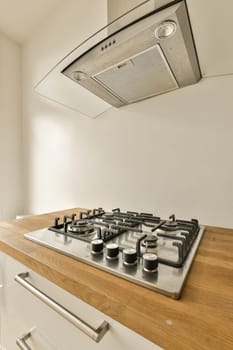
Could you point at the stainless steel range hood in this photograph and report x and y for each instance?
(147, 51)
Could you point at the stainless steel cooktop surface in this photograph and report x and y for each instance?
(139, 247)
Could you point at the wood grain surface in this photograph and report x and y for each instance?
(201, 319)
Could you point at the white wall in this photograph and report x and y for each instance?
(11, 201)
(168, 154)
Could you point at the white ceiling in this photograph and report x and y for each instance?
(19, 18)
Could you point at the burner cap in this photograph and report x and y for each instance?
(150, 241)
(171, 224)
(108, 215)
(81, 223)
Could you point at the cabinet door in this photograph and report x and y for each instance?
(1, 289)
(49, 330)
(20, 313)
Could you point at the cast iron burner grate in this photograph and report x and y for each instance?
(98, 224)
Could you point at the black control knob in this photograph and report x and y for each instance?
(97, 246)
(150, 262)
(112, 251)
(129, 256)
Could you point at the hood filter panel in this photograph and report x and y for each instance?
(141, 76)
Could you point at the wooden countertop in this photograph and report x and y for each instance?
(201, 319)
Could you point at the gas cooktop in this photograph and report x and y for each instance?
(139, 247)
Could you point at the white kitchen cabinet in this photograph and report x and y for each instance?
(1, 284)
(23, 312)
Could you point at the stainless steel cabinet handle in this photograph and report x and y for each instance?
(95, 334)
(21, 341)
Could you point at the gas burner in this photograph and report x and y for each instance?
(167, 230)
(80, 228)
(171, 224)
(108, 216)
(150, 241)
